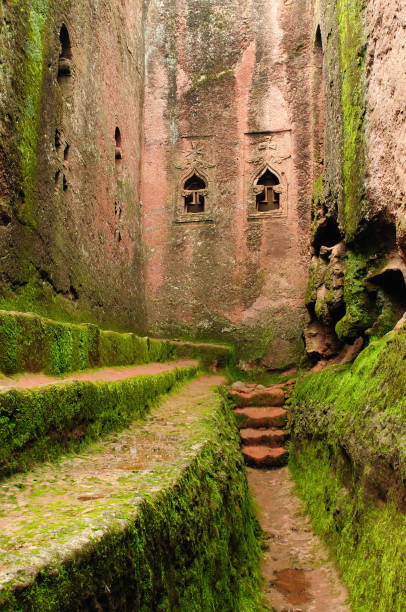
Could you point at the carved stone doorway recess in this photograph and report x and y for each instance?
(65, 66)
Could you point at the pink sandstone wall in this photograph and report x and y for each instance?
(386, 112)
(227, 95)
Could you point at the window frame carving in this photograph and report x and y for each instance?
(255, 189)
(196, 195)
(181, 214)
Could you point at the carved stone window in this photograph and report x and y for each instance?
(194, 194)
(65, 56)
(268, 190)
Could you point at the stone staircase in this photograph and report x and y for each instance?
(262, 418)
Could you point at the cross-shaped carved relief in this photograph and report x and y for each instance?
(195, 194)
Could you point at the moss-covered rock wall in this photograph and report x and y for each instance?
(41, 424)
(348, 458)
(176, 533)
(31, 343)
(70, 235)
(356, 283)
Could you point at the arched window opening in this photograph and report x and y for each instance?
(65, 55)
(318, 101)
(117, 137)
(118, 150)
(194, 194)
(268, 197)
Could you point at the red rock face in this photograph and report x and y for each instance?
(222, 102)
(386, 117)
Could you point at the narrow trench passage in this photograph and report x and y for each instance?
(298, 575)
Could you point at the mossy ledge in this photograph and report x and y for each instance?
(349, 462)
(42, 423)
(29, 342)
(169, 528)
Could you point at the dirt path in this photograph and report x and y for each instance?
(29, 380)
(298, 575)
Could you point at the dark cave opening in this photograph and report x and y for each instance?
(392, 282)
(327, 234)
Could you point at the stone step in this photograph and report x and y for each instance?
(267, 437)
(270, 396)
(263, 456)
(252, 417)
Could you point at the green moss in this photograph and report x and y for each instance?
(255, 374)
(369, 542)
(10, 336)
(387, 319)
(122, 349)
(164, 350)
(352, 54)
(30, 118)
(209, 355)
(361, 308)
(324, 304)
(188, 541)
(30, 343)
(40, 424)
(372, 385)
(349, 460)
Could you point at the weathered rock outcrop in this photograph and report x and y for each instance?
(354, 286)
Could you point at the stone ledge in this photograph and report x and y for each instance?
(41, 423)
(32, 343)
(154, 516)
